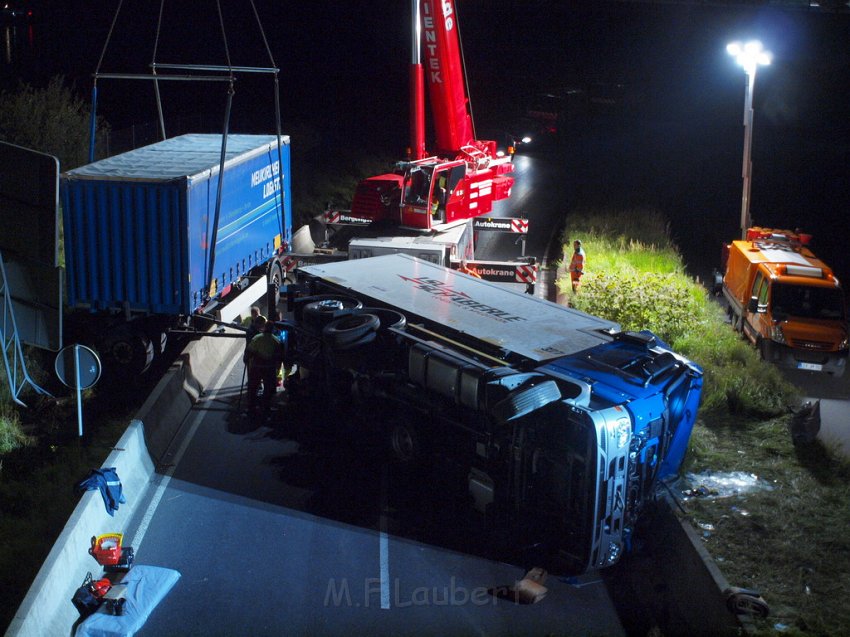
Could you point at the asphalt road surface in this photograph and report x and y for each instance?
(299, 525)
(539, 194)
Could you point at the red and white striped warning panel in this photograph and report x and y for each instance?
(519, 225)
(343, 218)
(501, 224)
(505, 271)
(289, 263)
(526, 274)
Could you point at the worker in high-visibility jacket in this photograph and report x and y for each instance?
(466, 269)
(577, 265)
(265, 355)
(253, 323)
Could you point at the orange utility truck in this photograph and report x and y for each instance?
(786, 301)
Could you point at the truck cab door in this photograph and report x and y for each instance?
(416, 197)
(448, 191)
(757, 318)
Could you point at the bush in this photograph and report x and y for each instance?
(12, 436)
(663, 303)
(50, 120)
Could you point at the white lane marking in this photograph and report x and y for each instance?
(384, 546)
(166, 478)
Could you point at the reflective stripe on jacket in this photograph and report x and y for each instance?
(577, 263)
(266, 349)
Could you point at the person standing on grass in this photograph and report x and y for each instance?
(577, 265)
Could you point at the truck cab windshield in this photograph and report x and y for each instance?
(807, 301)
(418, 185)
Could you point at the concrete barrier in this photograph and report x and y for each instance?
(47, 607)
(674, 580)
(171, 400)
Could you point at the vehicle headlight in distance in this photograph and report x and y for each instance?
(778, 335)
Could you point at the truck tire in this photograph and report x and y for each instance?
(734, 320)
(389, 318)
(276, 279)
(347, 302)
(322, 310)
(737, 321)
(349, 329)
(126, 351)
(350, 356)
(765, 347)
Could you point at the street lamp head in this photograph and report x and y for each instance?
(749, 55)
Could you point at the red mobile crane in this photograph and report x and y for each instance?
(462, 177)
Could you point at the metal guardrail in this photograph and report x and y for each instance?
(13, 355)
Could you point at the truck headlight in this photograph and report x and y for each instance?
(843, 344)
(777, 334)
(621, 431)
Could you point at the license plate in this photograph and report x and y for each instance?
(814, 367)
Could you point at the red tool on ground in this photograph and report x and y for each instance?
(107, 551)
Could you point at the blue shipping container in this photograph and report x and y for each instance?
(138, 226)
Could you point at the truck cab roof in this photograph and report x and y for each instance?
(797, 265)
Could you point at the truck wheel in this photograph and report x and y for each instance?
(765, 348)
(737, 321)
(389, 318)
(322, 310)
(349, 329)
(350, 355)
(127, 350)
(734, 321)
(276, 279)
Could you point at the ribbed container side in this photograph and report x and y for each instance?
(125, 245)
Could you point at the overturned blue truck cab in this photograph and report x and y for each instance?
(557, 417)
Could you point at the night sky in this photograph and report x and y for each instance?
(344, 69)
(351, 57)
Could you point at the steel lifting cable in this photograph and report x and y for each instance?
(225, 132)
(153, 71)
(224, 37)
(463, 69)
(93, 122)
(279, 195)
(108, 38)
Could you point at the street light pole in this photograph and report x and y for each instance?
(750, 56)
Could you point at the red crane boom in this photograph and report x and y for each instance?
(463, 176)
